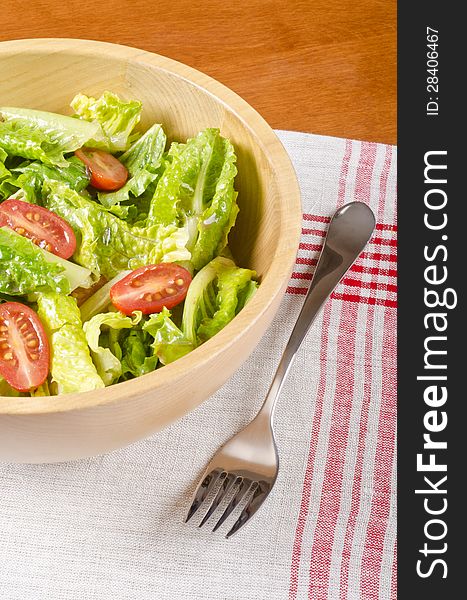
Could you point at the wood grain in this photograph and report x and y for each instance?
(322, 66)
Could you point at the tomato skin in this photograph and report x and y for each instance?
(24, 347)
(150, 288)
(42, 226)
(107, 172)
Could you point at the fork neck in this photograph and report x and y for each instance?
(267, 409)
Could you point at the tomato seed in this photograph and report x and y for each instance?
(179, 282)
(157, 296)
(20, 230)
(29, 216)
(170, 291)
(5, 345)
(8, 356)
(137, 283)
(34, 356)
(3, 328)
(36, 217)
(147, 297)
(32, 344)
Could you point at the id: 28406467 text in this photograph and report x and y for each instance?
(432, 79)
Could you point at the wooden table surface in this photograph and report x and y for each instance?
(321, 66)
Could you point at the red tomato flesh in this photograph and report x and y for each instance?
(107, 172)
(42, 226)
(24, 347)
(150, 288)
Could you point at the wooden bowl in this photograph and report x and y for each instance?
(46, 74)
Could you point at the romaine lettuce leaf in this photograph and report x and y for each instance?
(115, 117)
(143, 161)
(245, 294)
(108, 245)
(231, 283)
(100, 300)
(169, 342)
(4, 172)
(6, 189)
(44, 136)
(30, 142)
(107, 364)
(214, 297)
(6, 177)
(24, 268)
(41, 390)
(196, 192)
(31, 176)
(31, 269)
(69, 347)
(6, 389)
(71, 367)
(137, 355)
(57, 310)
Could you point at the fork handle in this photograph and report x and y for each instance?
(348, 233)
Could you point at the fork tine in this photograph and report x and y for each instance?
(227, 483)
(203, 490)
(244, 486)
(252, 506)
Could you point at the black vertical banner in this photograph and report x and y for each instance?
(432, 349)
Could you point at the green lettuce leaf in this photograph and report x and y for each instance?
(6, 389)
(100, 300)
(196, 192)
(127, 212)
(115, 117)
(137, 355)
(216, 294)
(108, 365)
(30, 269)
(24, 268)
(108, 245)
(169, 342)
(143, 161)
(44, 136)
(41, 390)
(30, 178)
(4, 172)
(57, 310)
(71, 368)
(5, 177)
(6, 189)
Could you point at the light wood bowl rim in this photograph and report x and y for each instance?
(272, 285)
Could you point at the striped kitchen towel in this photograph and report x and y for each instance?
(111, 528)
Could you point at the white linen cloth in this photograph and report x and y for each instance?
(111, 527)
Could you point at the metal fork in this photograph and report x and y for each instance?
(244, 470)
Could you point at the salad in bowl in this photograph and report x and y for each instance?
(114, 257)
